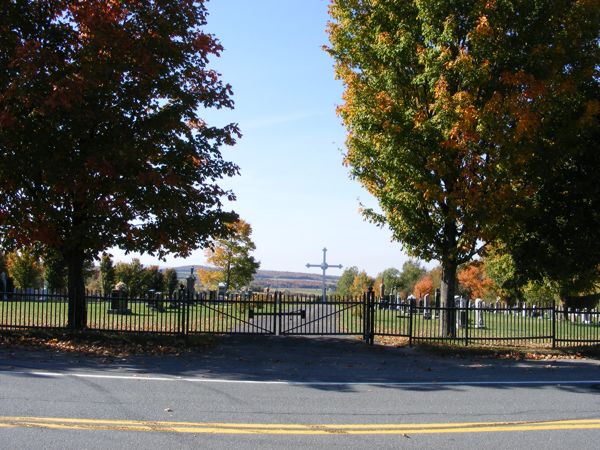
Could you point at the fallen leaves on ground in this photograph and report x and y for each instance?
(494, 352)
(118, 346)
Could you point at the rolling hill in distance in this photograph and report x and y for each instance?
(276, 280)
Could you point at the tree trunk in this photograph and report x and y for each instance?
(448, 289)
(77, 316)
(227, 278)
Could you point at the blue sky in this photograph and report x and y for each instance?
(293, 188)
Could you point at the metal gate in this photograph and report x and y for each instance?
(332, 317)
(278, 314)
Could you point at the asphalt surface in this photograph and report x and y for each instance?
(342, 393)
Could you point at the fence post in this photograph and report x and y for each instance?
(278, 309)
(410, 323)
(467, 324)
(371, 316)
(553, 324)
(183, 294)
(188, 303)
(365, 317)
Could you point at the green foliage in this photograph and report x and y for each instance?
(558, 238)
(156, 279)
(107, 274)
(231, 256)
(344, 284)
(541, 293)
(361, 284)
(171, 282)
(55, 272)
(24, 269)
(135, 277)
(500, 269)
(412, 272)
(390, 278)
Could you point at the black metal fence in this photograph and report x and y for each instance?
(281, 314)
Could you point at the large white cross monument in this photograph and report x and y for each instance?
(324, 266)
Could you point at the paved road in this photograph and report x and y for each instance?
(269, 392)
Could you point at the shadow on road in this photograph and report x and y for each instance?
(325, 363)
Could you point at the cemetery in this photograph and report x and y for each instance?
(189, 312)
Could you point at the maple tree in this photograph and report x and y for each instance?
(473, 279)
(232, 259)
(451, 105)
(101, 139)
(361, 284)
(423, 286)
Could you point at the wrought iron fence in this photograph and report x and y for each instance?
(282, 314)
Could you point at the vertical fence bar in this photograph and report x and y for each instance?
(553, 324)
(365, 317)
(372, 317)
(278, 327)
(467, 324)
(410, 323)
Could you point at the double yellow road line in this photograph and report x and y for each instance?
(293, 429)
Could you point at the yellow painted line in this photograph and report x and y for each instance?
(296, 429)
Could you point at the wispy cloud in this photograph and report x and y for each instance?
(267, 122)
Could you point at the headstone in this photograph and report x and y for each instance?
(426, 308)
(497, 305)
(586, 317)
(461, 317)
(118, 302)
(30, 294)
(411, 301)
(479, 305)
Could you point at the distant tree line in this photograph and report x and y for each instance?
(25, 270)
(491, 278)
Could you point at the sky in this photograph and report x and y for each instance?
(293, 188)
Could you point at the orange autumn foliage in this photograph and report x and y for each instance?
(423, 286)
(474, 279)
